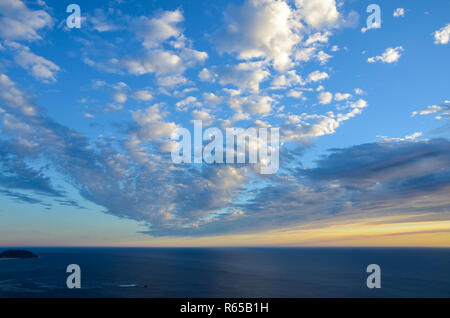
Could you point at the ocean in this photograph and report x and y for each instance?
(228, 272)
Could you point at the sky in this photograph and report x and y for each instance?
(87, 116)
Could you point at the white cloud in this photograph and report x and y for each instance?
(442, 36)
(88, 115)
(340, 96)
(211, 99)
(156, 30)
(254, 104)
(151, 124)
(318, 13)
(167, 52)
(317, 76)
(305, 54)
(142, 95)
(325, 98)
(172, 80)
(245, 76)
(414, 136)
(361, 103)
(431, 110)
(390, 55)
(120, 97)
(441, 111)
(15, 97)
(321, 37)
(295, 94)
(100, 21)
(323, 57)
(41, 68)
(260, 29)
(207, 75)
(156, 61)
(411, 137)
(286, 80)
(189, 101)
(359, 91)
(18, 22)
(399, 12)
(203, 115)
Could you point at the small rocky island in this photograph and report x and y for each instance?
(17, 254)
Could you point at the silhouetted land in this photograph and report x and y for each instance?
(17, 254)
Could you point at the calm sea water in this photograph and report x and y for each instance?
(228, 272)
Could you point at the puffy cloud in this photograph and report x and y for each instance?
(289, 79)
(253, 104)
(295, 94)
(167, 53)
(120, 97)
(341, 97)
(260, 29)
(101, 22)
(317, 76)
(321, 37)
(245, 76)
(15, 98)
(399, 12)
(258, 105)
(154, 31)
(156, 61)
(203, 115)
(273, 31)
(172, 80)
(305, 54)
(211, 99)
(151, 125)
(359, 91)
(189, 101)
(360, 103)
(41, 68)
(430, 110)
(142, 95)
(300, 128)
(207, 75)
(441, 111)
(318, 13)
(442, 36)
(325, 98)
(390, 55)
(323, 57)
(18, 22)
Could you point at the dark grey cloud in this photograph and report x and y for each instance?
(385, 178)
(21, 197)
(16, 174)
(382, 161)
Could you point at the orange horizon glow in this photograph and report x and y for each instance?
(390, 231)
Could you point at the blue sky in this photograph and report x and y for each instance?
(86, 116)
